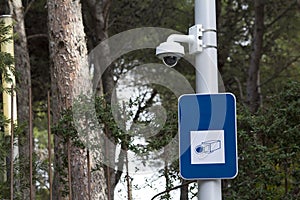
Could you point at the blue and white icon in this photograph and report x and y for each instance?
(207, 147)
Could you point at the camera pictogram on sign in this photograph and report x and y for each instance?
(208, 147)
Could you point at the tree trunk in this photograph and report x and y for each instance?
(22, 63)
(68, 55)
(4, 7)
(253, 90)
(184, 190)
(95, 17)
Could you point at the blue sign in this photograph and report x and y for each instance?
(207, 136)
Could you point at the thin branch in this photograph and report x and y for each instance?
(37, 36)
(276, 74)
(120, 165)
(240, 87)
(123, 154)
(106, 9)
(28, 7)
(281, 14)
(147, 103)
(174, 188)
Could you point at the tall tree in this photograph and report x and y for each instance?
(22, 64)
(96, 20)
(253, 80)
(68, 54)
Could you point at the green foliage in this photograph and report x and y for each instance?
(4, 32)
(6, 60)
(65, 127)
(128, 14)
(66, 131)
(105, 117)
(4, 145)
(269, 152)
(41, 151)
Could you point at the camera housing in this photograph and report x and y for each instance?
(170, 52)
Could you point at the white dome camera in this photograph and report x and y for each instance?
(170, 52)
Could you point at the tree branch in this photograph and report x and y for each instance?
(281, 14)
(120, 164)
(239, 86)
(276, 74)
(174, 188)
(106, 9)
(28, 7)
(147, 103)
(37, 36)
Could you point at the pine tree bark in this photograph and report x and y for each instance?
(68, 53)
(253, 81)
(22, 63)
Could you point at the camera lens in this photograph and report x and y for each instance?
(171, 61)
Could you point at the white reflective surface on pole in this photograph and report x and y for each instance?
(210, 190)
(207, 78)
(206, 62)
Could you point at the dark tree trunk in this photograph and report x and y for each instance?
(4, 7)
(22, 64)
(184, 190)
(96, 14)
(253, 82)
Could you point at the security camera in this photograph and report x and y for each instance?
(170, 53)
(171, 50)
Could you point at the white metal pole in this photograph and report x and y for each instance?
(207, 77)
